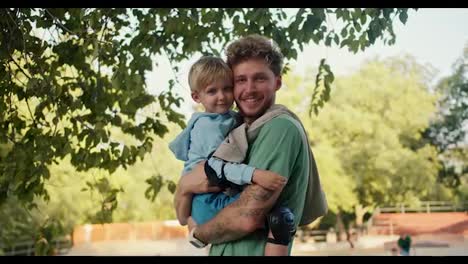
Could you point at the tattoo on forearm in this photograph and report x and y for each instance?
(220, 233)
(248, 212)
(247, 206)
(219, 229)
(261, 194)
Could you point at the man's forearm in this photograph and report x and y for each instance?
(239, 218)
(191, 183)
(182, 204)
(183, 207)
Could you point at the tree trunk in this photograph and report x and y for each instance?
(360, 211)
(340, 227)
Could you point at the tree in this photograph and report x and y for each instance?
(448, 130)
(373, 123)
(336, 183)
(80, 73)
(82, 197)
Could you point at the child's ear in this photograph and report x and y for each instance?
(196, 97)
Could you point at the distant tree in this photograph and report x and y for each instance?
(449, 129)
(373, 125)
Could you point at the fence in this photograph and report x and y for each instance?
(426, 207)
(305, 234)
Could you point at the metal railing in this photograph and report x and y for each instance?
(426, 207)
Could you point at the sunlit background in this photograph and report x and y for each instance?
(381, 176)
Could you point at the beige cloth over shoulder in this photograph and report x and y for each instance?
(234, 149)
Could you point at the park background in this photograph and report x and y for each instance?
(390, 146)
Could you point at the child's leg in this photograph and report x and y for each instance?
(272, 249)
(208, 205)
(281, 231)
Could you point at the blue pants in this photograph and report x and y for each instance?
(207, 205)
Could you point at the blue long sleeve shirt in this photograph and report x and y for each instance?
(203, 134)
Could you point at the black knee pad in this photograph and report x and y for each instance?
(281, 223)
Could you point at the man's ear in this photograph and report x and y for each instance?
(196, 96)
(279, 82)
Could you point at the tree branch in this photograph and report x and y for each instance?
(19, 67)
(62, 26)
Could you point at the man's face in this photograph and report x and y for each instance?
(255, 86)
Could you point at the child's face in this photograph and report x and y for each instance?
(216, 97)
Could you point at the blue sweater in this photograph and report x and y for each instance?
(203, 134)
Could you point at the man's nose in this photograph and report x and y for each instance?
(250, 86)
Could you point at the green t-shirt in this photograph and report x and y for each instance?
(279, 147)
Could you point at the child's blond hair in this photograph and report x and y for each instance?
(207, 70)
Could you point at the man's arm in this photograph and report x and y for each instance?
(241, 217)
(182, 204)
(189, 184)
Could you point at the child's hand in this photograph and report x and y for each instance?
(268, 179)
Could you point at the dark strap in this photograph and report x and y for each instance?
(281, 224)
(277, 242)
(212, 176)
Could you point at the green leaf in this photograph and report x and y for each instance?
(328, 41)
(171, 186)
(312, 23)
(141, 153)
(403, 17)
(344, 32)
(363, 18)
(387, 12)
(358, 27)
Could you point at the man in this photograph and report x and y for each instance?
(404, 244)
(281, 146)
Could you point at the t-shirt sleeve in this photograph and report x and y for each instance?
(277, 147)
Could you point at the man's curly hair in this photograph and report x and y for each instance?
(255, 46)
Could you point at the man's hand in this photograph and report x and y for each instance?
(191, 223)
(268, 179)
(189, 184)
(196, 181)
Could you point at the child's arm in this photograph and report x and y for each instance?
(241, 174)
(268, 179)
(272, 249)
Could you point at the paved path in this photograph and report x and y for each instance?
(180, 247)
(176, 247)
